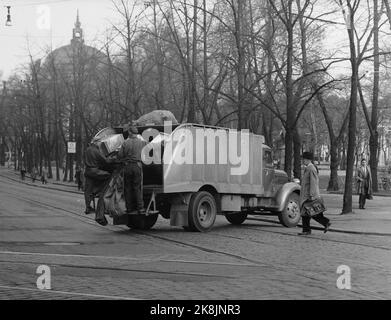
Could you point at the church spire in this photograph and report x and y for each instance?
(77, 23)
(77, 31)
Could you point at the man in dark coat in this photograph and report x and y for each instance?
(364, 183)
(309, 192)
(130, 154)
(97, 177)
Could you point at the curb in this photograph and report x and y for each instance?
(341, 193)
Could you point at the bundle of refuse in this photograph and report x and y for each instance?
(114, 198)
(156, 117)
(108, 140)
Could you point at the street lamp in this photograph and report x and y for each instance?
(8, 23)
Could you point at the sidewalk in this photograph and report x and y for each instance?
(52, 183)
(374, 220)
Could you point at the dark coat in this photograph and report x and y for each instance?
(309, 184)
(364, 180)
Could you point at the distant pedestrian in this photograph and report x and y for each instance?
(22, 173)
(310, 192)
(364, 183)
(44, 176)
(34, 173)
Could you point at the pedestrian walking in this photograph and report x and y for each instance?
(364, 183)
(22, 172)
(310, 194)
(44, 176)
(130, 154)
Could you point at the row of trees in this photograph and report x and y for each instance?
(264, 65)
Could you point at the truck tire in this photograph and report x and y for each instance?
(236, 218)
(141, 221)
(202, 211)
(290, 216)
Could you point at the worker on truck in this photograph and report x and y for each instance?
(97, 176)
(130, 154)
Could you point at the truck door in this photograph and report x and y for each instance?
(268, 172)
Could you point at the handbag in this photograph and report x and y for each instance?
(314, 207)
(369, 197)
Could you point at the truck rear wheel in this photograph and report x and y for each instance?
(202, 211)
(141, 221)
(236, 218)
(290, 216)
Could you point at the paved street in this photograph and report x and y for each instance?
(258, 260)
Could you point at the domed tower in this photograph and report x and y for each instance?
(77, 33)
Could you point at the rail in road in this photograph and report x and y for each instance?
(244, 261)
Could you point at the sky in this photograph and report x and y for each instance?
(40, 24)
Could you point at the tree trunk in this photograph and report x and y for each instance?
(290, 112)
(374, 139)
(288, 152)
(334, 161)
(297, 154)
(347, 198)
(242, 123)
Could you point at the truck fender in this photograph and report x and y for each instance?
(284, 192)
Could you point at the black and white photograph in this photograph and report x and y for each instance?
(195, 154)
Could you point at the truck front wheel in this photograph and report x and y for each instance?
(290, 216)
(202, 211)
(236, 218)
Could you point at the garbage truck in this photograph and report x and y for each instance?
(193, 172)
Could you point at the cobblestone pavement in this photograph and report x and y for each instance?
(258, 260)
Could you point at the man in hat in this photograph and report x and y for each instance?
(130, 154)
(309, 192)
(364, 183)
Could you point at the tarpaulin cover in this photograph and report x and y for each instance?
(156, 117)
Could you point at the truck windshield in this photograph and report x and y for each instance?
(267, 158)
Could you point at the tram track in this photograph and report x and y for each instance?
(307, 274)
(106, 268)
(309, 236)
(91, 221)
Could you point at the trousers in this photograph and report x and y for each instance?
(320, 218)
(363, 198)
(96, 182)
(133, 176)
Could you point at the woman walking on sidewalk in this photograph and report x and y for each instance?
(310, 192)
(364, 183)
